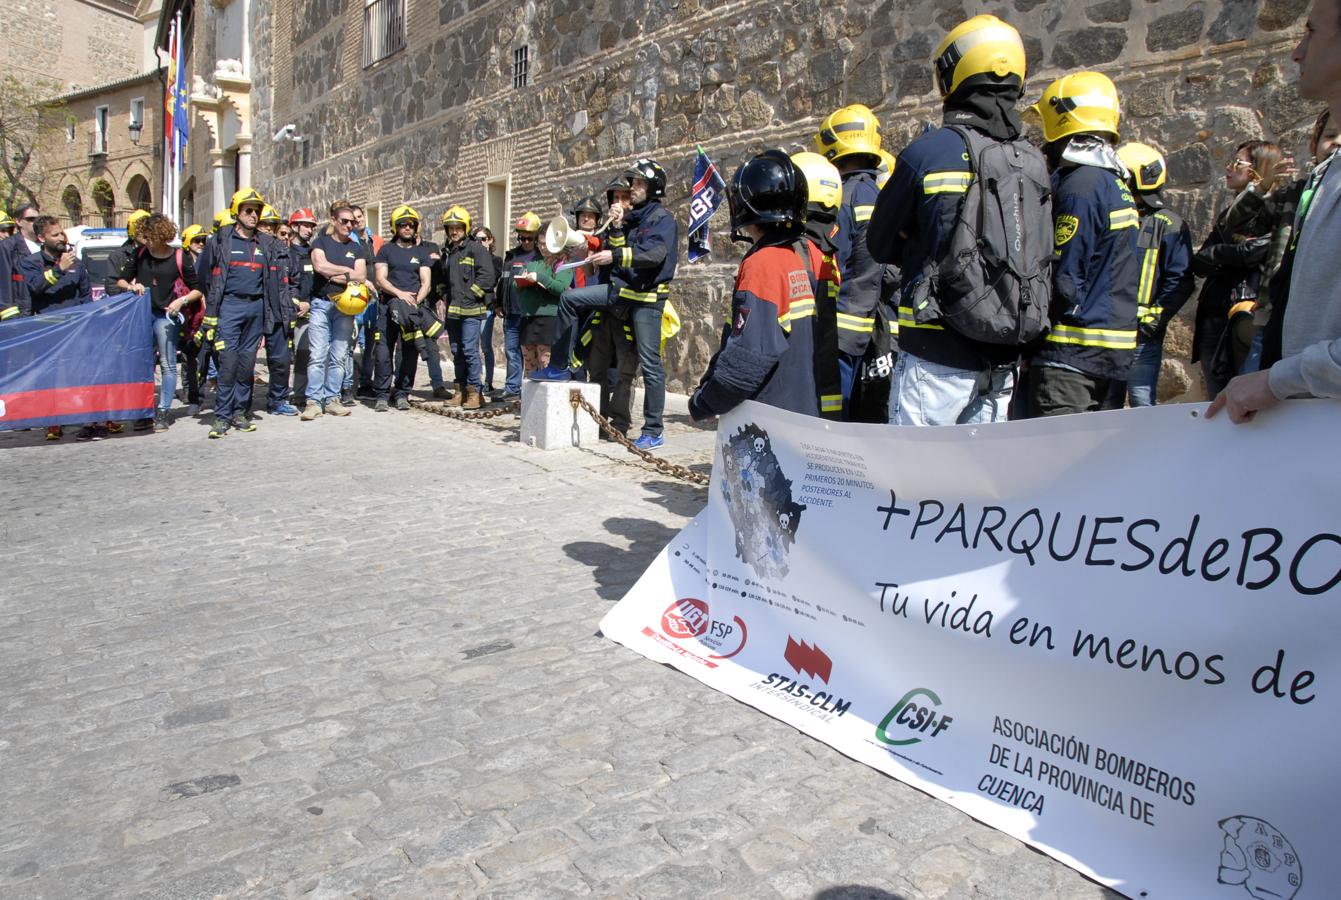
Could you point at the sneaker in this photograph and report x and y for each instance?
(380, 405)
(142, 424)
(55, 432)
(87, 433)
(402, 403)
(347, 397)
(118, 427)
(284, 409)
(249, 416)
(312, 411)
(649, 441)
(161, 421)
(551, 373)
(243, 423)
(338, 409)
(220, 428)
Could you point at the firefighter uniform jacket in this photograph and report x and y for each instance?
(9, 305)
(645, 252)
(768, 349)
(14, 294)
(913, 221)
(825, 283)
(212, 267)
(1094, 281)
(860, 291)
(301, 279)
(1164, 251)
(48, 286)
(468, 272)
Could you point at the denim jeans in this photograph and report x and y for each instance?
(928, 393)
(573, 303)
(328, 338)
(236, 338)
(646, 320)
(166, 332)
(464, 337)
(1142, 378)
(512, 352)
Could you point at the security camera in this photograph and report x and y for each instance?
(288, 132)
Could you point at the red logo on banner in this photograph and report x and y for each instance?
(808, 659)
(685, 618)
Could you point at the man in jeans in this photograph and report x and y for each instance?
(641, 255)
(337, 262)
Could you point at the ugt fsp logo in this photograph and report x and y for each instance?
(917, 713)
(688, 619)
(1258, 857)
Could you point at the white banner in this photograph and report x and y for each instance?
(1112, 636)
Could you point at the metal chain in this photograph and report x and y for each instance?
(450, 412)
(665, 467)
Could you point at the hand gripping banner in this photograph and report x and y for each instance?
(86, 363)
(1132, 667)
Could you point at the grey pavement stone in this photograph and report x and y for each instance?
(256, 676)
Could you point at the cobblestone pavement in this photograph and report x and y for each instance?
(358, 657)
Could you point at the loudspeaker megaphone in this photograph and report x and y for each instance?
(560, 236)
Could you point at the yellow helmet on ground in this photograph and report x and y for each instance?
(823, 183)
(192, 233)
(456, 215)
(528, 223)
(983, 48)
(353, 299)
(245, 196)
(1146, 164)
(885, 169)
(221, 218)
(134, 219)
(404, 213)
(1079, 103)
(852, 129)
(270, 216)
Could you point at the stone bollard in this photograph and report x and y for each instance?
(548, 420)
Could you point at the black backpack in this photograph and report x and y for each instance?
(993, 280)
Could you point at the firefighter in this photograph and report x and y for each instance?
(302, 227)
(467, 270)
(403, 274)
(850, 139)
(1164, 251)
(768, 348)
(1093, 318)
(221, 218)
(116, 260)
(825, 196)
(270, 221)
(246, 273)
(9, 305)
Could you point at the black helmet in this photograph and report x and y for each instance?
(586, 205)
(768, 189)
(618, 183)
(652, 173)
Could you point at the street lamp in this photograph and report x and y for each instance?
(135, 128)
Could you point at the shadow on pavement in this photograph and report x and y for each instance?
(677, 497)
(617, 568)
(856, 892)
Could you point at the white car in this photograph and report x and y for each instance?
(94, 248)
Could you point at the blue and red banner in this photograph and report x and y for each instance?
(88, 363)
(705, 197)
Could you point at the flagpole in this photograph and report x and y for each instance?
(178, 149)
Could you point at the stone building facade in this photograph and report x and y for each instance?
(78, 44)
(450, 118)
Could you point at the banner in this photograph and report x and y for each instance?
(706, 195)
(87, 363)
(1111, 635)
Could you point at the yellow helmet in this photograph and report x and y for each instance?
(983, 48)
(528, 223)
(1146, 164)
(134, 219)
(456, 215)
(191, 233)
(885, 169)
(270, 216)
(353, 299)
(6, 220)
(824, 185)
(246, 195)
(405, 212)
(221, 218)
(1079, 103)
(852, 129)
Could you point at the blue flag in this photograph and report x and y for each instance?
(81, 364)
(709, 190)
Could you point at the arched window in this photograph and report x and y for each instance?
(137, 192)
(73, 202)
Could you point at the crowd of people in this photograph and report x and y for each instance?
(974, 277)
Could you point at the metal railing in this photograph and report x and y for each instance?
(383, 30)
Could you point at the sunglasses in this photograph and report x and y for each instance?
(345, 221)
(28, 219)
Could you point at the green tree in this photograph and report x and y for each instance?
(26, 117)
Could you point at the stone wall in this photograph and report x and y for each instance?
(613, 79)
(72, 42)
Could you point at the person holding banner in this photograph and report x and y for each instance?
(1310, 364)
(768, 351)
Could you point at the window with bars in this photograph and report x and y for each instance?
(521, 66)
(383, 29)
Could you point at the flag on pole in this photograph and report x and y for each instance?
(166, 202)
(705, 198)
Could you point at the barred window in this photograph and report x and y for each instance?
(521, 66)
(383, 29)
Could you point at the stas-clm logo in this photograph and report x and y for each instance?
(916, 715)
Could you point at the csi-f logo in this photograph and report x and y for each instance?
(915, 716)
(688, 619)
